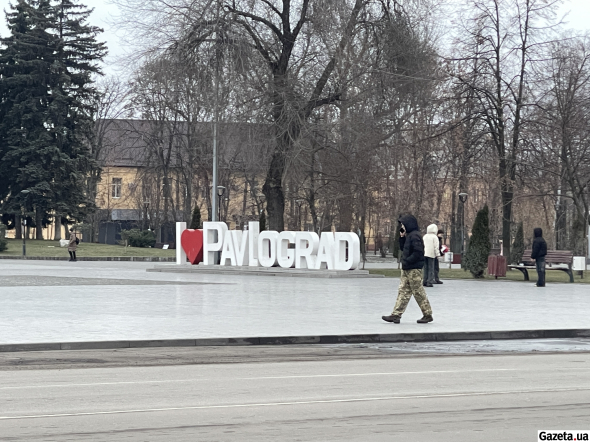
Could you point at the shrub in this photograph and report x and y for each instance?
(139, 238)
(476, 258)
(517, 249)
(196, 219)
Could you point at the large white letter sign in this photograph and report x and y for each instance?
(302, 250)
(213, 235)
(180, 253)
(306, 247)
(253, 232)
(227, 251)
(344, 241)
(285, 255)
(326, 252)
(267, 248)
(240, 240)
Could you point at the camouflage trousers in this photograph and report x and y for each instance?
(411, 284)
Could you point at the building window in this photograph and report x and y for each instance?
(116, 187)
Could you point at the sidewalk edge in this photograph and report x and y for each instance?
(298, 340)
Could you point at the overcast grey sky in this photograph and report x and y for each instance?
(104, 11)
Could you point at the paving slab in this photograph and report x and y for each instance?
(199, 307)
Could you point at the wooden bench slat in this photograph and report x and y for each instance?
(552, 257)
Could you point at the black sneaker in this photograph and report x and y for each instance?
(425, 319)
(438, 282)
(392, 318)
(428, 285)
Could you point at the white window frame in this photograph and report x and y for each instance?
(116, 187)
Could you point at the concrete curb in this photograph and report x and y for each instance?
(97, 258)
(262, 271)
(291, 340)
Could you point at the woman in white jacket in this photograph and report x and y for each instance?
(431, 253)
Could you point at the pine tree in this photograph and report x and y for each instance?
(476, 258)
(26, 150)
(71, 109)
(196, 219)
(517, 249)
(46, 68)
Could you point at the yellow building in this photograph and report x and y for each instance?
(153, 175)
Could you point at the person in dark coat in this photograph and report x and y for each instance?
(539, 253)
(412, 247)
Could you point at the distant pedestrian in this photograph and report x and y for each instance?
(412, 247)
(440, 234)
(73, 245)
(539, 253)
(431, 254)
(379, 245)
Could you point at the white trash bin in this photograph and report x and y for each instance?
(579, 263)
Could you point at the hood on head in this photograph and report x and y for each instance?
(432, 228)
(538, 232)
(410, 223)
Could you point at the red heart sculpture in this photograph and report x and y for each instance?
(192, 243)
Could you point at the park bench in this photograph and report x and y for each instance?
(554, 257)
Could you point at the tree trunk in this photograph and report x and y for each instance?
(273, 191)
(455, 235)
(507, 195)
(39, 224)
(244, 204)
(18, 229)
(57, 235)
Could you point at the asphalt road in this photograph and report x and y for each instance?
(405, 398)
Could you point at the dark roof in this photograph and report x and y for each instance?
(137, 143)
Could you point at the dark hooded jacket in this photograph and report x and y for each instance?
(539, 245)
(411, 245)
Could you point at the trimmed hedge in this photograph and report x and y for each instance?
(139, 238)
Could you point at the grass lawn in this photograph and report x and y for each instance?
(52, 249)
(511, 275)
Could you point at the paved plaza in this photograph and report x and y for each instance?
(103, 301)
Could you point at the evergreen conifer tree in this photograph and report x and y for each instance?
(26, 58)
(46, 116)
(196, 218)
(71, 111)
(476, 258)
(517, 249)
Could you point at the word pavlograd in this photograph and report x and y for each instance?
(300, 250)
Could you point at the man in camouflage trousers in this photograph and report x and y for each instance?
(411, 280)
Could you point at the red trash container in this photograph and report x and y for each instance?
(497, 266)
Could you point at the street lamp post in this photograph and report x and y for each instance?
(463, 199)
(220, 192)
(26, 193)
